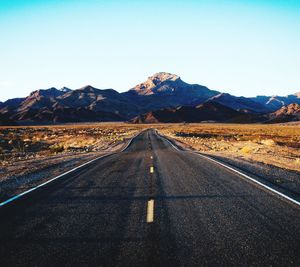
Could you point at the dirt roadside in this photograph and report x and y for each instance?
(22, 175)
(283, 180)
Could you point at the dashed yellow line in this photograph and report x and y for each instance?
(151, 169)
(150, 211)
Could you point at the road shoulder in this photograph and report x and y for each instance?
(282, 180)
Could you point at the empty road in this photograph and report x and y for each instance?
(150, 205)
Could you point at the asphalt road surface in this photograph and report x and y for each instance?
(150, 205)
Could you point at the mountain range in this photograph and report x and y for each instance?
(163, 97)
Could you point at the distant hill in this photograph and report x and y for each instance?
(287, 113)
(162, 97)
(96, 100)
(212, 111)
(240, 103)
(208, 111)
(166, 90)
(273, 103)
(57, 106)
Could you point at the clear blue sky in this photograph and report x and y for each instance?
(241, 47)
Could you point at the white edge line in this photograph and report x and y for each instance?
(242, 174)
(175, 147)
(252, 179)
(63, 174)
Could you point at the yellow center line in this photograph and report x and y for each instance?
(151, 169)
(150, 211)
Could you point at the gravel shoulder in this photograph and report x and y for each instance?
(22, 175)
(285, 181)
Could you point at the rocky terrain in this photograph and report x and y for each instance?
(163, 97)
(165, 90)
(275, 145)
(286, 114)
(32, 155)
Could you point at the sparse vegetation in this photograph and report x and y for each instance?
(29, 150)
(56, 148)
(277, 145)
(30, 155)
(19, 143)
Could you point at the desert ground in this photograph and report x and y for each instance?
(31, 155)
(276, 144)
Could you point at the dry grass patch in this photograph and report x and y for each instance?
(22, 143)
(278, 145)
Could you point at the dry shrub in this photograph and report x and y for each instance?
(56, 148)
(268, 142)
(246, 150)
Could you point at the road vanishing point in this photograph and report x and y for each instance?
(150, 205)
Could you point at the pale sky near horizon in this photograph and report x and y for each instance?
(246, 47)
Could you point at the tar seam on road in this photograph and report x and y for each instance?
(63, 174)
(242, 174)
(150, 211)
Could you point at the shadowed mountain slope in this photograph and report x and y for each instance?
(53, 106)
(208, 111)
(239, 103)
(274, 103)
(162, 97)
(165, 90)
